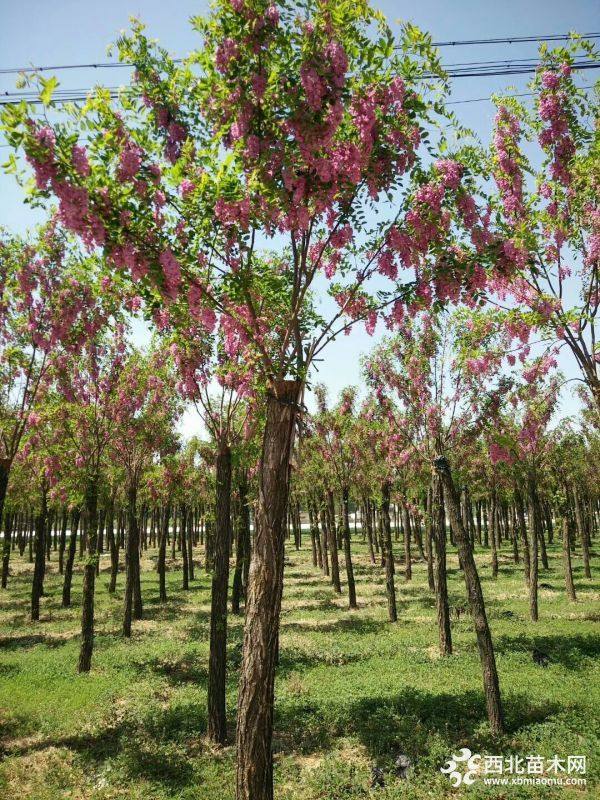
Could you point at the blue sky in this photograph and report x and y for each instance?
(76, 31)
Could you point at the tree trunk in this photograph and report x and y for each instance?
(534, 521)
(242, 545)
(89, 577)
(6, 546)
(324, 547)
(367, 528)
(113, 545)
(523, 533)
(332, 540)
(440, 568)
(37, 586)
(566, 547)
(162, 554)
(583, 535)
(348, 551)
(68, 579)
(429, 539)
(217, 660)
(494, 533)
(132, 562)
(407, 555)
(476, 601)
(254, 776)
(390, 587)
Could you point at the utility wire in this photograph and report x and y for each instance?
(73, 95)
(458, 43)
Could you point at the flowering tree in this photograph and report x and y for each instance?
(48, 306)
(88, 383)
(334, 428)
(520, 436)
(415, 367)
(144, 414)
(303, 120)
(544, 163)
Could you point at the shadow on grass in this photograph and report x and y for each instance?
(403, 723)
(571, 651)
(10, 643)
(348, 624)
(150, 743)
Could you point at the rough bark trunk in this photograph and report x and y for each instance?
(242, 545)
(113, 545)
(407, 534)
(429, 539)
(348, 551)
(37, 586)
(217, 659)
(523, 534)
(254, 776)
(332, 541)
(162, 554)
(566, 548)
(494, 533)
(367, 527)
(534, 521)
(476, 602)
(6, 546)
(89, 577)
(132, 562)
(390, 587)
(440, 574)
(583, 535)
(68, 579)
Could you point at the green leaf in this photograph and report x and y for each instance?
(49, 85)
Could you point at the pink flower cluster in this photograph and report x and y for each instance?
(508, 173)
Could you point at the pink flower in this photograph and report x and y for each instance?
(130, 162)
(186, 187)
(226, 52)
(80, 160)
(451, 172)
(171, 273)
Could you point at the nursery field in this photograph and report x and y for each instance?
(353, 691)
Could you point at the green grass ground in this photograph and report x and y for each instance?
(352, 690)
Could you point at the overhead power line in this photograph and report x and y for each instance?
(558, 37)
(554, 37)
(74, 95)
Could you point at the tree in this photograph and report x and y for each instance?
(303, 120)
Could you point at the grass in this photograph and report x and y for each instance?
(352, 690)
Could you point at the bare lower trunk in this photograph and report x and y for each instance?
(66, 592)
(242, 546)
(534, 522)
(476, 602)
(217, 660)
(494, 513)
(429, 540)
(132, 601)
(390, 587)
(440, 568)
(332, 540)
(583, 534)
(162, 554)
(89, 577)
(6, 547)
(37, 586)
(407, 534)
(348, 551)
(566, 547)
(254, 776)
